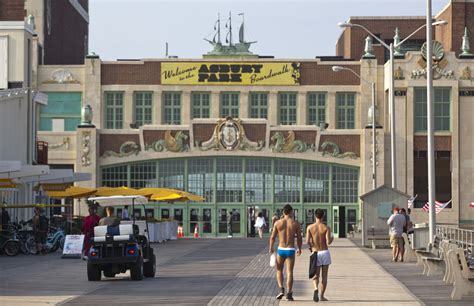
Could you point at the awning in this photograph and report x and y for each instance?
(9, 166)
(57, 176)
(26, 171)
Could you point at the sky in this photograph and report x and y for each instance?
(136, 29)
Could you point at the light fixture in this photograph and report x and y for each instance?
(345, 24)
(337, 68)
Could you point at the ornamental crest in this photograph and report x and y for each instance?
(439, 63)
(229, 134)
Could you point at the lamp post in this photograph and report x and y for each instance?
(430, 119)
(372, 85)
(391, 84)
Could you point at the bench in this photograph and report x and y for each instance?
(374, 235)
(448, 273)
(409, 251)
(123, 232)
(433, 258)
(432, 251)
(463, 277)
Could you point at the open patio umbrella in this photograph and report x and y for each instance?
(169, 194)
(121, 191)
(73, 192)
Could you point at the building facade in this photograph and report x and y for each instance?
(251, 134)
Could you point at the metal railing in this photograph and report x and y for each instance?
(462, 237)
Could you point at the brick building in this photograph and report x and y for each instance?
(251, 134)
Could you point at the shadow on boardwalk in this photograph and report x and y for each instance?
(430, 290)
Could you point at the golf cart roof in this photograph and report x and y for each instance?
(120, 200)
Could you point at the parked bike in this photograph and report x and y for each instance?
(55, 239)
(9, 244)
(26, 240)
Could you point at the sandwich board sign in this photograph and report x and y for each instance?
(73, 246)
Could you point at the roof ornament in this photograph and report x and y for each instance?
(396, 41)
(369, 49)
(238, 49)
(466, 50)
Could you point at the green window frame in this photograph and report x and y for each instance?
(259, 105)
(287, 107)
(442, 109)
(316, 108)
(230, 104)
(201, 105)
(345, 110)
(143, 108)
(172, 108)
(114, 110)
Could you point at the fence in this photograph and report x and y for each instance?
(462, 237)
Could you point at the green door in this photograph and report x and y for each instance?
(201, 220)
(230, 222)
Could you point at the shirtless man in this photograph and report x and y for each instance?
(286, 229)
(318, 237)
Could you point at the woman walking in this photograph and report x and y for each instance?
(259, 224)
(90, 222)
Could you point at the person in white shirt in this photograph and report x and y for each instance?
(396, 222)
(259, 224)
(125, 213)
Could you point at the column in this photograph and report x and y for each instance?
(244, 104)
(157, 107)
(128, 111)
(302, 107)
(273, 108)
(92, 89)
(186, 107)
(331, 110)
(215, 104)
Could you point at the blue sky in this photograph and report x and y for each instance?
(285, 29)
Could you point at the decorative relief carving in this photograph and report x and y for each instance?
(126, 149)
(466, 74)
(335, 150)
(229, 134)
(170, 143)
(288, 144)
(85, 148)
(439, 63)
(61, 76)
(398, 74)
(65, 142)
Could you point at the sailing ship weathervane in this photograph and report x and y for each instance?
(238, 49)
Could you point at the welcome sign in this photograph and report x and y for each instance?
(230, 73)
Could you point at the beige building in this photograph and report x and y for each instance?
(251, 134)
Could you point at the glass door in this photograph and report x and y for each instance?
(335, 223)
(229, 222)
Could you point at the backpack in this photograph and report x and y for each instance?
(43, 224)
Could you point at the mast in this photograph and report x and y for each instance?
(230, 29)
(218, 28)
(241, 30)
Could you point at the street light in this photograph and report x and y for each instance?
(372, 84)
(391, 103)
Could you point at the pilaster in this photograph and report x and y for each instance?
(273, 108)
(244, 104)
(301, 107)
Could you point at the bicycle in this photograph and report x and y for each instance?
(55, 239)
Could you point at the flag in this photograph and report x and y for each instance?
(411, 201)
(438, 206)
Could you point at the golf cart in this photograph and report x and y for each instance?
(117, 249)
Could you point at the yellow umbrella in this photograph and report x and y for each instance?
(120, 191)
(72, 192)
(168, 194)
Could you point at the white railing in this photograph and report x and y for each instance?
(462, 237)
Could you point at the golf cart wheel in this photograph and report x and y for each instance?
(12, 248)
(93, 273)
(136, 270)
(149, 268)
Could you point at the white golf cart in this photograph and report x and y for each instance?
(117, 249)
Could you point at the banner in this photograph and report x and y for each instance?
(230, 73)
(73, 246)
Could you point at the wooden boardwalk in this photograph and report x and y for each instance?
(254, 285)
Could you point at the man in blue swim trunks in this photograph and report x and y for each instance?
(286, 229)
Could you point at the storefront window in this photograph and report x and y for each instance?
(201, 105)
(172, 108)
(316, 108)
(171, 174)
(143, 108)
(287, 181)
(344, 184)
(229, 180)
(200, 175)
(230, 104)
(316, 183)
(115, 176)
(143, 175)
(287, 103)
(113, 110)
(258, 181)
(258, 105)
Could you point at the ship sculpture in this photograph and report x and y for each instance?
(240, 48)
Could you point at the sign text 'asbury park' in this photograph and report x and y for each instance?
(229, 73)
